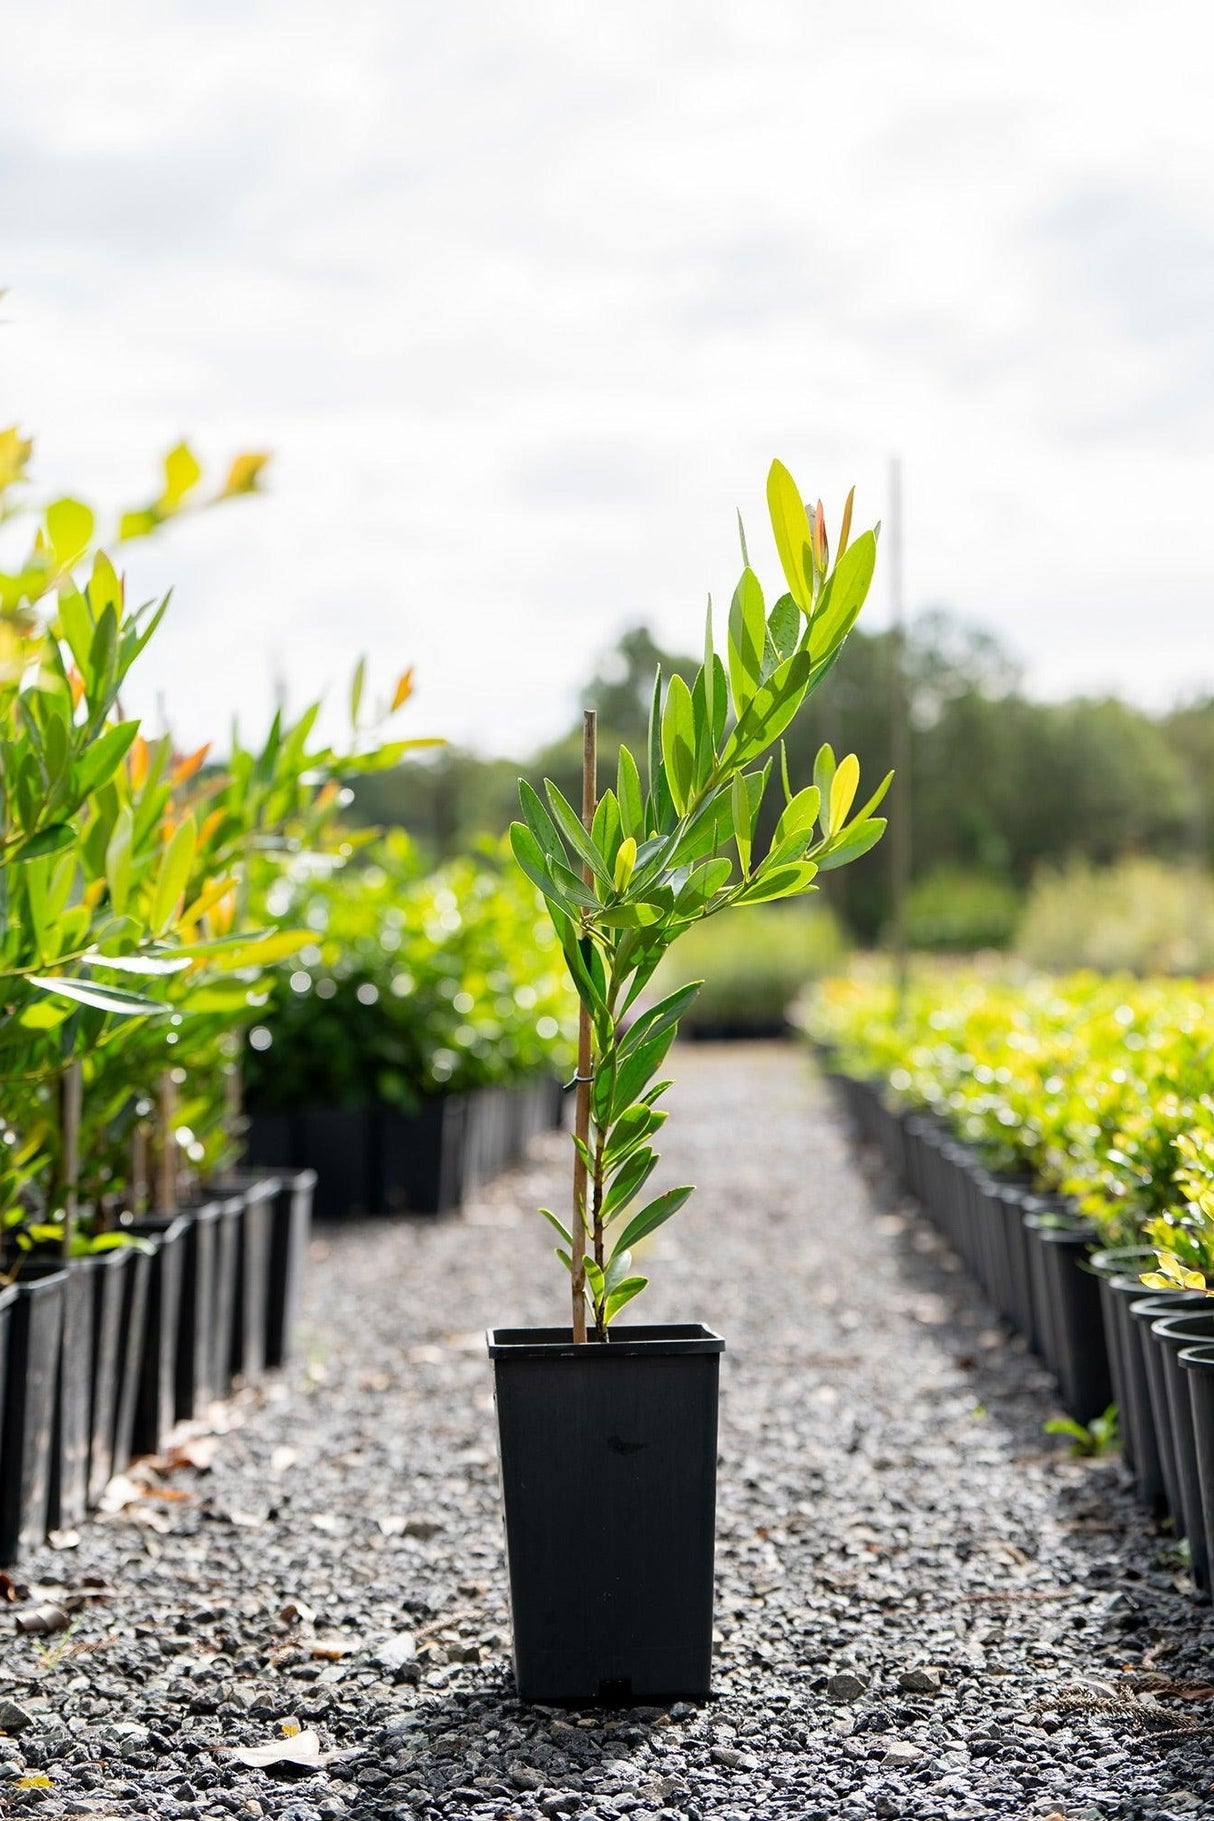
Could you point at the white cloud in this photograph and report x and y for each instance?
(525, 298)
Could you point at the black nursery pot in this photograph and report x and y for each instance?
(196, 1315)
(290, 1229)
(1137, 1420)
(1197, 1369)
(74, 1397)
(35, 1334)
(156, 1398)
(422, 1155)
(608, 1463)
(109, 1282)
(229, 1239)
(1114, 1266)
(1144, 1311)
(1084, 1378)
(1172, 1334)
(248, 1345)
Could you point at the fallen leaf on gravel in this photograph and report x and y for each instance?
(425, 1356)
(331, 1650)
(282, 1458)
(391, 1526)
(196, 1451)
(41, 1620)
(297, 1612)
(9, 1591)
(246, 1520)
(33, 1782)
(396, 1651)
(329, 1522)
(301, 1748)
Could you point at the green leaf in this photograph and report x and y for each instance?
(664, 1016)
(702, 886)
(102, 758)
(607, 830)
(679, 743)
(77, 624)
(182, 473)
(747, 636)
(709, 670)
(635, 1071)
(69, 527)
(784, 628)
(843, 596)
(843, 788)
(631, 1178)
(790, 523)
(100, 998)
(570, 825)
(824, 777)
(560, 1226)
(780, 882)
(772, 708)
(854, 841)
(357, 684)
(629, 795)
(743, 828)
(625, 861)
(623, 1293)
(540, 823)
(138, 964)
(527, 852)
(651, 1216)
(118, 859)
(174, 874)
(800, 814)
(50, 840)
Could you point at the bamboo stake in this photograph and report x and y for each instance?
(71, 1089)
(166, 1173)
(582, 1116)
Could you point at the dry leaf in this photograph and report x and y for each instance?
(391, 1526)
(9, 1592)
(63, 1539)
(331, 1650)
(282, 1458)
(297, 1611)
(35, 1781)
(301, 1748)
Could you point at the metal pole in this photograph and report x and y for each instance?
(900, 794)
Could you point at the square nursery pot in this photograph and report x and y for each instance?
(109, 1279)
(342, 1144)
(248, 1344)
(608, 1462)
(229, 1241)
(291, 1228)
(35, 1318)
(74, 1396)
(156, 1396)
(422, 1155)
(195, 1367)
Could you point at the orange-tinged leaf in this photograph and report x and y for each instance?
(92, 893)
(245, 473)
(137, 762)
(210, 895)
(210, 824)
(187, 767)
(404, 689)
(821, 549)
(76, 684)
(845, 533)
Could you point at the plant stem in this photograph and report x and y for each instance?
(584, 1054)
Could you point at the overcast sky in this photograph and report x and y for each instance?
(524, 297)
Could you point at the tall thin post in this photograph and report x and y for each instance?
(166, 1174)
(900, 831)
(590, 773)
(71, 1108)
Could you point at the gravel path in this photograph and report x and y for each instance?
(923, 1609)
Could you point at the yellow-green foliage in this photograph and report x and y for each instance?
(753, 964)
(1103, 1087)
(1140, 917)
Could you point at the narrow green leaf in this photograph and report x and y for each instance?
(100, 998)
(854, 841)
(743, 827)
(50, 840)
(622, 1294)
(745, 643)
(843, 788)
(118, 859)
(824, 777)
(790, 523)
(174, 874)
(843, 596)
(570, 826)
(653, 1215)
(780, 882)
(629, 795)
(679, 743)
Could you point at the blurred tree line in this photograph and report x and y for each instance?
(1001, 785)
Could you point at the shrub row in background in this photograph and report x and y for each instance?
(754, 965)
(1036, 1122)
(1102, 1088)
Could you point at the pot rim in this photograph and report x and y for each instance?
(1164, 1328)
(655, 1340)
(1161, 1305)
(1198, 1358)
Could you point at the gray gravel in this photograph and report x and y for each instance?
(924, 1609)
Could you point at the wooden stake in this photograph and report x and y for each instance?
(71, 1110)
(590, 770)
(166, 1174)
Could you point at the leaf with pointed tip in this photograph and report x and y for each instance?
(651, 1216)
(790, 523)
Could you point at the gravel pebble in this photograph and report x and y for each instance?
(888, 1505)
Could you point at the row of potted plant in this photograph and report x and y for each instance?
(416, 1042)
(140, 1269)
(1061, 1134)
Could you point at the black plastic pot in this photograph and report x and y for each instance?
(342, 1144)
(35, 1335)
(229, 1240)
(1137, 1418)
(1007, 1205)
(423, 1156)
(608, 1462)
(1114, 1266)
(1173, 1333)
(248, 1354)
(132, 1326)
(109, 1282)
(291, 1226)
(1144, 1310)
(8, 1297)
(1197, 1368)
(193, 1386)
(74, 1397)
(156, 1403)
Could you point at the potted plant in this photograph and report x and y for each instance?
(608, 1435)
